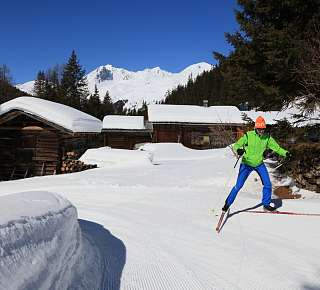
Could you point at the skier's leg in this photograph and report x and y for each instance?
(244, 172)
(265, 179)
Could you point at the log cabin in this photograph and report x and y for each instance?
(125, 132)
(196, 127)
(35, 135)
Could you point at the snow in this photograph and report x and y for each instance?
(123, 122)
(106, 157)
(271, 117)
(64, 116)
(176, 151)
(150, 84)
(288, 113)
(26, 87)
(194, 114)
(41, 244)
(149, 224)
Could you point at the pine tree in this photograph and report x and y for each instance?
(143, 111)
(263, 67)
(94, 107)
(267, 48)
(107, 106)
(40, 85)
(308, 71)
(5, 74)
(74, 87)
(7, 90)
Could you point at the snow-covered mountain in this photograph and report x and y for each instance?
(148, 85)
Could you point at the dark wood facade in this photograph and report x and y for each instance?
(126, 139)
(32, 146)
(197, 136)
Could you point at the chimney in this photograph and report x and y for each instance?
(205, 103)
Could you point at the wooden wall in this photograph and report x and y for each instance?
(7, 153)
(33, 148)
(125, 140)
(197, 136)
(47, 154)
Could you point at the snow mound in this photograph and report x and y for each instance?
(107, 157)
(176, 151)
(41, 244)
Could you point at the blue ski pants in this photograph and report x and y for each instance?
(244, 172)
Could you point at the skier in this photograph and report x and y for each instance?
(252, 146)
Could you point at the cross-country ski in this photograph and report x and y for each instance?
(283, 213)
(221, 219)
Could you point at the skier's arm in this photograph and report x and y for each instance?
(240, 143)
(274, 146)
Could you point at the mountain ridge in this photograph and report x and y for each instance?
(135, 87)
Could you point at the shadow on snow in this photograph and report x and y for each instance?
(277, 203)
(112, 251)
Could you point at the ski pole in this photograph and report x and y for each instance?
(244, 150)
(283, 163)
(237, 161)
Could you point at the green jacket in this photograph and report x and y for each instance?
(255, 145)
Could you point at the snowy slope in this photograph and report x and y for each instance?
(152, 224)
(148, 85)
(26, 87)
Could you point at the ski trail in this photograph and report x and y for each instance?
(244, 250)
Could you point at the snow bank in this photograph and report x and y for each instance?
(107, 157)
(41, 244)
(176, 151)
(64, 116)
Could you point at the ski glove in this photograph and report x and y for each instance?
(240, 151)
(289, 155)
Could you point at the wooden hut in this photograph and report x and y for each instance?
(195, 126)
(124, 132)
(35, 135)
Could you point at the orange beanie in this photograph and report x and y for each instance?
(260, 123)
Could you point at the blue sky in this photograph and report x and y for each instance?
(132, 34)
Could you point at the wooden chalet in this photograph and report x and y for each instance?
(124, 132)
(195, 126)
(35, 135)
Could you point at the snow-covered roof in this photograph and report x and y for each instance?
(62, 115)
(123, 122)
(194, 114)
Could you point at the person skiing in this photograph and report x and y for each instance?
(252, 146)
